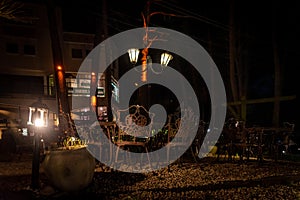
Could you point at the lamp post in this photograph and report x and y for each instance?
(38, 118)
(146, 61)
(147, 64)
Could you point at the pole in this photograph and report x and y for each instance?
(35, 162)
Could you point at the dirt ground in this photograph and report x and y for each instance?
(206, 179)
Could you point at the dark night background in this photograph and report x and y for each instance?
(208, 23)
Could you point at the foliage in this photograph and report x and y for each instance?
(70, 142)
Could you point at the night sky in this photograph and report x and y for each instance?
(253, 20)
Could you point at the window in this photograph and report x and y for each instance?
(102, 113)
(71, 82)
(78, 85)
(101, 85)
(12, 48)
(29, 49)
(76, 53)
(115, 89)
(51, 89)
(18, 84)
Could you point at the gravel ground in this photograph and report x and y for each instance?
(207, 179)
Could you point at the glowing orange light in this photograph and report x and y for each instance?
(59, 67)
(144, 65)
(93, 101)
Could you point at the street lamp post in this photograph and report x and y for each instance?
(146, 61)
(147, 64)
(38, 118)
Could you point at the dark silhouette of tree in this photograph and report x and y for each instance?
(66, 124)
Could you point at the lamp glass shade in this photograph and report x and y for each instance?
(38, 114)
(133, 55)
(165, 59)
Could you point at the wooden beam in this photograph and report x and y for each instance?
(262, 100)
(230, 108)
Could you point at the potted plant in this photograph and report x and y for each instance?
(69, 167)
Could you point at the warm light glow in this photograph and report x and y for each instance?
(39, 122)
(93, 101)
(146, 61)
(165, 59)
(133, 55)
(59, 67)
(38, 114)
(144, 65)
(144, 72)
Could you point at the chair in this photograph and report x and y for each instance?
(99, 148)
(134, 130)
(178, 130)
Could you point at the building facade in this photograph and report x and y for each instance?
(26, 69)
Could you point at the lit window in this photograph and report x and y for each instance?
(51, 89)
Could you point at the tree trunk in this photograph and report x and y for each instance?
(277, 79)
(100, 36)
(66, 124)
(232, 55)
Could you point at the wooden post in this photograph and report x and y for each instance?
(243, 108)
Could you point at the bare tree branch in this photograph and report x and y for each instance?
(12, 10)
(9, 9)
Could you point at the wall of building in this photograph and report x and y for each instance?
(25, 47)
(26, 63)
